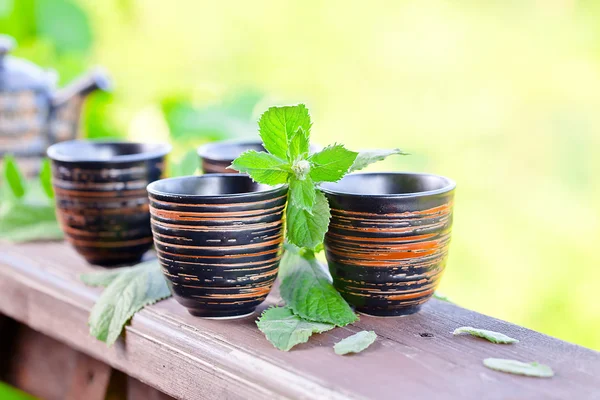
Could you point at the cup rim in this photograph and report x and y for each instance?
(151, 188)
(449, 186)
(203, 150)
(155, 150)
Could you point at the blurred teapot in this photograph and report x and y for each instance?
(33, 114)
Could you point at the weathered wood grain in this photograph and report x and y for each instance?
(188, 357)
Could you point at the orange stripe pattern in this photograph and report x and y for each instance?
(103, 207)
(387, 255)
(220, 254)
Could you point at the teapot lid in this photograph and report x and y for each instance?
(18, 74)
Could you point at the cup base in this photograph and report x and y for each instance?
(223, 315)
(117, 262)
(396, 312)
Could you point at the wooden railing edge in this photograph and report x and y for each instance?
(24, 299)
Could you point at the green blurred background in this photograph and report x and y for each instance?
(502, 96)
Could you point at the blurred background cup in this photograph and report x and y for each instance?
(387, 243)
(218, 238)
(101, 198)
(215, 157)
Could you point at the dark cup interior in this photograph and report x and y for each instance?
(208, 185)
(383, 184)
(92, 151)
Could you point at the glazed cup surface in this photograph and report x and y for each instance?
(215, 157)
(218, 238)
(101, 200)
(387, 243)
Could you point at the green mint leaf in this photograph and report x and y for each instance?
(262, 167)
(368, 157)
(284, 329)
(307, 290)
(355, 343)
(278, 124)
(22, 221)
(331, 163)
(299, 145)
(303, 193)
(102, 278)
(46, 178)
(13, 177)
(305, 229)
(127, 293)
(519, 368)
(494, 337)
(442, 297)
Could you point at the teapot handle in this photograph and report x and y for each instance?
(97, 79)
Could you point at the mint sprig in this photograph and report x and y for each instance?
(284, 329)
(128, 290)
(285, 132)
(13, 177)
(494, 337)
(307, 290)
(331, 164)
(368, 157)
(307, 228)
(312, 303)
(46, 178)
(26, 207)
(262, 167)
(533, 369)
(299, 144)
(355, 343)
(277, 126)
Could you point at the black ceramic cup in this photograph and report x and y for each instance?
(101, 199)
(388, 239)
(217, 156)
(218, 238)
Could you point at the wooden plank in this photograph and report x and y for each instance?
(89, 379)
(49, 369)
(188, 357)
(136, 390)
(40, 365)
